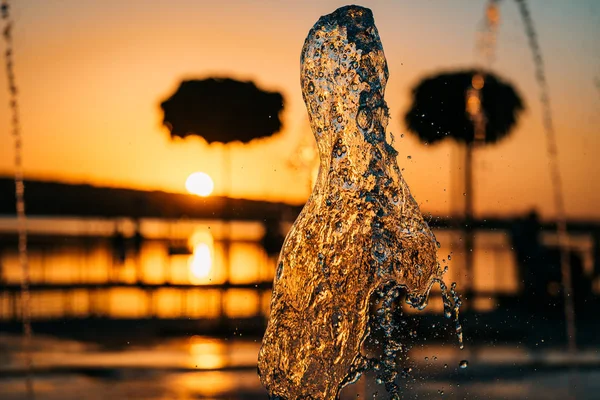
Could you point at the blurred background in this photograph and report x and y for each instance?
(166, 151)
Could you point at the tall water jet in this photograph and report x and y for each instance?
(360, 233)
(19, 192)
(555, 177)
(486, 44)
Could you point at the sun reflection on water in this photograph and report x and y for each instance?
(201, 260)
(207, 353)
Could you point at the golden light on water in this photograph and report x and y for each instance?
(199, 183)
(201, 261)
(207, 353)
(202, 258)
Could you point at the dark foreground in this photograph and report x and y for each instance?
(197, 367)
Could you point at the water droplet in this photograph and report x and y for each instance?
(464, 364)
(311, 87)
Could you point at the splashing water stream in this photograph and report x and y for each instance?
(486, 49)
(556, 180)
(360, 236)
(19, 195)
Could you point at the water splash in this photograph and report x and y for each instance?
(359, 237)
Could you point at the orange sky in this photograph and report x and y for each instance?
(92, 74)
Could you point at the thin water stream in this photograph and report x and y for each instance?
(555, 176)
(360, 238)
(19, 189)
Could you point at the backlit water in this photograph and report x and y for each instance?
(360, 238)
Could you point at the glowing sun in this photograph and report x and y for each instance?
(199, 184)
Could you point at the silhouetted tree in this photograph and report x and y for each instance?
(222, 110)
(438, 109)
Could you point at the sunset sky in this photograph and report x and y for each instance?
(93, 73)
